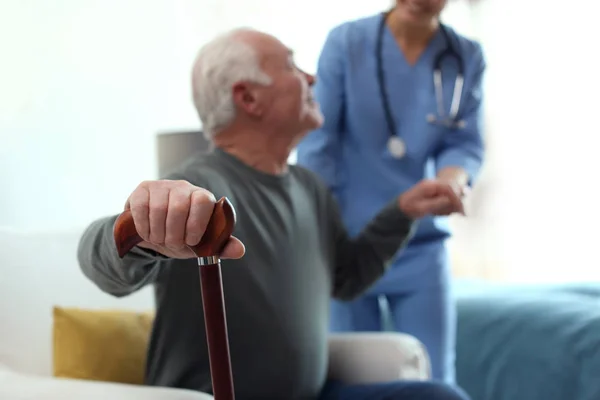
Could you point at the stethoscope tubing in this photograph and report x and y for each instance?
(449, 52)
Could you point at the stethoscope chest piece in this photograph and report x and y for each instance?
(396, 147)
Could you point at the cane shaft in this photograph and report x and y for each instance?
(216, 331)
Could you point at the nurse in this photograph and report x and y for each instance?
(390, 121)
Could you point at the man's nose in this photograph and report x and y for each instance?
(309, 78)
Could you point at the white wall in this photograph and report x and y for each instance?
(85, 85)
(542, 208)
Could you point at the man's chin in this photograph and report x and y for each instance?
(317, 123)
(310, 125)
(315, 118)
(313, 125)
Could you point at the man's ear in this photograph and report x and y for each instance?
(246, 98)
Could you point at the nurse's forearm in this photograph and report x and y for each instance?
(454, 175)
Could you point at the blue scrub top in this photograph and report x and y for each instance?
(350, 150)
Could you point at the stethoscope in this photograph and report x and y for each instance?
(396, 145)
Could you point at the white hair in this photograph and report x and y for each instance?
(220, 64)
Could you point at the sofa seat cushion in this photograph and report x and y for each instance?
(19, 386)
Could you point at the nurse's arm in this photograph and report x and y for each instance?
(461, 153)
(319, 150)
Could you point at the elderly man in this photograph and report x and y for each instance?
(255, 105)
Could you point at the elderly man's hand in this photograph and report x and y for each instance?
(172, 215)
(431, 197)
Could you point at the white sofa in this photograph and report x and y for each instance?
(39, 270)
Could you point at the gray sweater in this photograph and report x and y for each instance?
(298, 255)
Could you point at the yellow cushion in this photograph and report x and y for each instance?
(101, 345)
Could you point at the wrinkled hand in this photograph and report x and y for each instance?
(172, 215)
(431, 197)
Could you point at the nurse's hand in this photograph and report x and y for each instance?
(431, 197)
(458, 178)
(462, 190)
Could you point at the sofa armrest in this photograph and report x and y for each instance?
(377, 357)
(18, 386)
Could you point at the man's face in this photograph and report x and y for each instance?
(292, 95)
(287, 103)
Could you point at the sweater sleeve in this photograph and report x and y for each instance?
(358, 262)
(99, 261)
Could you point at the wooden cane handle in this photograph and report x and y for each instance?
(218, 231)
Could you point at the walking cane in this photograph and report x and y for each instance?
(218, 231)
